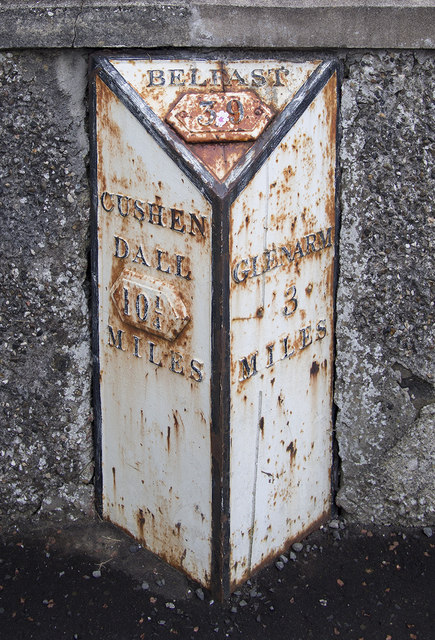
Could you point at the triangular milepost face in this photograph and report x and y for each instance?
(163, 83)
(214, 244)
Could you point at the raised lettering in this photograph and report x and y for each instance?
(179, 260)
(157, 78)
(321, 329)
(287, 253)
(197, 370)
(326, 242)
(175, 76)
(307, 338)
(104, 196)
(140, 257)
(248, 369)
(159, 262)
(155, 214)
(138, 204)
(195, 222)
(136, 347)
(175, 220)
(269, 348)
(254, 267)
(258, 79)
(287, 353)
(298, 250)
(151, 358)
(126, 312)
(245, 271)
(310, 240)
(236, 76)
(176, 366)
(219, 76)
(123, 200)
(118, 241)
(194, 81)
(115, 342)
(142, 306)
(277, 72)
(292, 303)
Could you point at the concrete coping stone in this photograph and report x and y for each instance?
(268, 24)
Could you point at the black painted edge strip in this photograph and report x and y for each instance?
(168, 140)
(95, 339)
(272, 136)
(220, 402)
(335, 461)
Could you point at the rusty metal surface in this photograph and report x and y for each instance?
(215, 304)
(164, 84)
(154, 234)
(281, 255)
(232, 116)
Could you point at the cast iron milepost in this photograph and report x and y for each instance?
(213, 269)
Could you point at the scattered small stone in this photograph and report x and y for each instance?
(283, 558)
(297, 546)
(233, 609)
(334, 524)
(170, 605)
(243, 603)
(336, 535)
(428, 532)
(97, 573)
(160, 582)
(162, 622)
(323, 602)
(279, 565)
(308, 548)
(292, 556)
(134, 548)
(253, 593)
(258, 618)
(145, 586)
(200, 594)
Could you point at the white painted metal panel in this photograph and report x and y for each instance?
(155, 392)
(282, 228)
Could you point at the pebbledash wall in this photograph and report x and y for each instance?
(384, 387)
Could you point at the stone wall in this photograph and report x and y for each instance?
(385, 307)
(385, 364)
(45, 439)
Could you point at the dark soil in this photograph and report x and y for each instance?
(92, 581)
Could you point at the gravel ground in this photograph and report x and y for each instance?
(90, 580)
